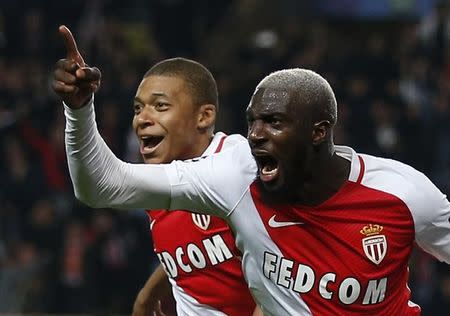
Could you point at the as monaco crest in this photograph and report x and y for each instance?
(201, 220)
(375, 245)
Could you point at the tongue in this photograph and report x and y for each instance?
(152, 142)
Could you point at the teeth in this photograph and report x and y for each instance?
(150, 142)
(266, 171)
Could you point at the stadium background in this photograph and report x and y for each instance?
(387, 60)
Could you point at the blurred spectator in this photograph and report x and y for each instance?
(441, 300)
(21, 285)
(435, 32)
(74, 295)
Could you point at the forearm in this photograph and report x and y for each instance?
(99, 178)
(159, 281)
(258, 311)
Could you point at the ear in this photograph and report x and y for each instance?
(206, 116)
(320, 132)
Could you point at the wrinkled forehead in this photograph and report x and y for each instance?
(270, 99)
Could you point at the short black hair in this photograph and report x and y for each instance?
(198, 78)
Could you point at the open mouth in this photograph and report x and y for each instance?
(268, 167)
(150, 143)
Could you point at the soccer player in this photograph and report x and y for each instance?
(174, 115)
(323, 230)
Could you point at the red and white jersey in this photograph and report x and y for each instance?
(347, 256)
(200, 257)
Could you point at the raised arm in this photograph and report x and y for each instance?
(73, 81)
(99, 178)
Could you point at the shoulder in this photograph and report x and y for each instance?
(232, 147)
(428, 206)
(242, 155)
(396, 176)
(217, 181)
(222, 141)
(415, 189)
(235, 139)
(229, 141)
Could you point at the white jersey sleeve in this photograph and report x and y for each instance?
(212, 185)
(431, 213)
(429, 207)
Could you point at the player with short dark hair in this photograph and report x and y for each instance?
(175, 110)
(198, 78)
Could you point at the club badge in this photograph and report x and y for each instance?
(374, 244)
(201, 220)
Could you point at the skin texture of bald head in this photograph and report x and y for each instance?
(310, 89)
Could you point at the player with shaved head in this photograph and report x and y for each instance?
(323, 230)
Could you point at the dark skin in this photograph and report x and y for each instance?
(163, 108)
(280, 127)
(74, 81)
(297, 138)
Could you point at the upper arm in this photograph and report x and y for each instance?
(431, 213)
(213, 184)
(428, 207)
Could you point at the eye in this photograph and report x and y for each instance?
(161, 106)
(137, 108)
(273, 121)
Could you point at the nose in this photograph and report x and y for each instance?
(256, 133)
(144, 118)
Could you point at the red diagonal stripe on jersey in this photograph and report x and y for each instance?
(219, 147)
(362, 168)
(330, 241)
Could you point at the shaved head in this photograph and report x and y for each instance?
(310, 89)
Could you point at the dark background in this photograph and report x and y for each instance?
(388, 62)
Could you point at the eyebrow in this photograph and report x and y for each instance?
(154, 94)
(267, 112)
(138, 100)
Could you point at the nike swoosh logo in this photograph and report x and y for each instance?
(274, 224)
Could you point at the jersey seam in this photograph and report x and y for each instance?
(239, 200)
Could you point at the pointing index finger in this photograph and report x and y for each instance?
(71, 45)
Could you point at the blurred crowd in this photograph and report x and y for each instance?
(391, 78)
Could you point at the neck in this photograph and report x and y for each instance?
(328, 174)
(202, 144)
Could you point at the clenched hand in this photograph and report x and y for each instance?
(73, 80)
